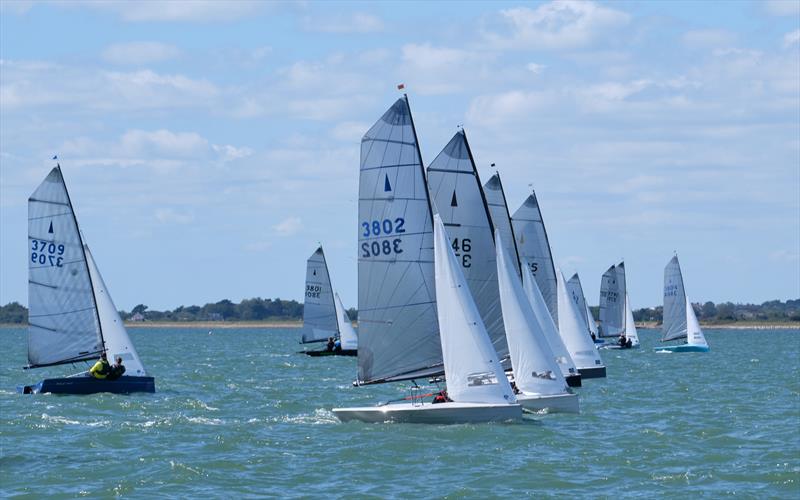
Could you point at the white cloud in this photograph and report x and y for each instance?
(535, 68)
(555, 25)
(782, 7)
(349, 131)
(357, 22)
(175, 10)
(172, 216)
(163, 143)
(506, 106)
(230, 153)
(432, 70)
(288, 226)
(784, 256)
(138, 53)
(791, 38)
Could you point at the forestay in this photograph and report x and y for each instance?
(347, 335)
(612, 307)
(573, 330)
(398, 330)
(534, 364)
(118, 344)
(474, 372)
(455, 189)
(674, 326)
(534, 249)
(501, 219)
(63, 322)
(319, 312)
(557, 346)
(575, 290)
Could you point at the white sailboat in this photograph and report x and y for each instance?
(322, 319)
(71, 316)
(399, 335)
(477, 388)
(538, 379)
(572, 327)
(501, 219)
(616, 315)
(680, 322)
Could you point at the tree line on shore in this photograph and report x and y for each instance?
(258, 309)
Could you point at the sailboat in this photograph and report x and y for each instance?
(616, 315)
(537, 377)
(399, 334)
(572, 327)
(680, 321)
(477, 388)
(498, 208)
(322, 319)
(71, 316)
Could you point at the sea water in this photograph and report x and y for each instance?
(238, 413)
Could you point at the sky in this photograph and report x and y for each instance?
(210, 146)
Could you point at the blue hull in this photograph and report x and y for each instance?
(682, 348)
(90, 385)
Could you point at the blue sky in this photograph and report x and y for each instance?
(209, 146)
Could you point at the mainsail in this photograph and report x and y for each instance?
(319, 313)
(612, 305)
(535, 367)
(117, 342)
(64, 325)
(455, 189)
(534, 251)
(398, 329)
(501, 219)
(675, 303)
(473, 370)
(347, 335)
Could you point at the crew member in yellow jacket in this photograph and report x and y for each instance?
(101, 369)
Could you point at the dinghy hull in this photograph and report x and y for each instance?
(682, 348)
(573, 380)
(594, 372)
(343, 352)
(617, 346)
(553, 403)
(441, 413)
(90, 385)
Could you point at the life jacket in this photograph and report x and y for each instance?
(101, 369)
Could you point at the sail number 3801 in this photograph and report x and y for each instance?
(44, 252)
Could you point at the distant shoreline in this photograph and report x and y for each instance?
(223, 325)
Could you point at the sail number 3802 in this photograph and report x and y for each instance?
(383, 227)
(46, 252)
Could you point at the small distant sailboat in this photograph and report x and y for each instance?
(680, 321)
(323, 318)
(616, 315)
(538, 379)
(477, 388)
(71, 316)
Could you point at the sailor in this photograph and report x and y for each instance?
(441, 398)
(337, 346)
(622, 341)
(330, 345)
(116, 369)
(629, 344)
(101, 369)
(594, 337)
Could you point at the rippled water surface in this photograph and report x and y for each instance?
(239, 414)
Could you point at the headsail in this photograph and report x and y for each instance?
(571, 325)
(398, 329)
(630, 326)
(474, 372)
(118, 344)
(63, 320)
(674, 324)
(457, 195)
(534, 251)
(319, 313)
(694, 335)
(560, 351)
(612, 306)
(535, 368)
(347, 335)
(501, 219)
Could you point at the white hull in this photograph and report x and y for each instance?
(553, 403)
(440, 413)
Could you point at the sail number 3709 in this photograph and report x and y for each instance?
(44, 252)
(386, 227)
